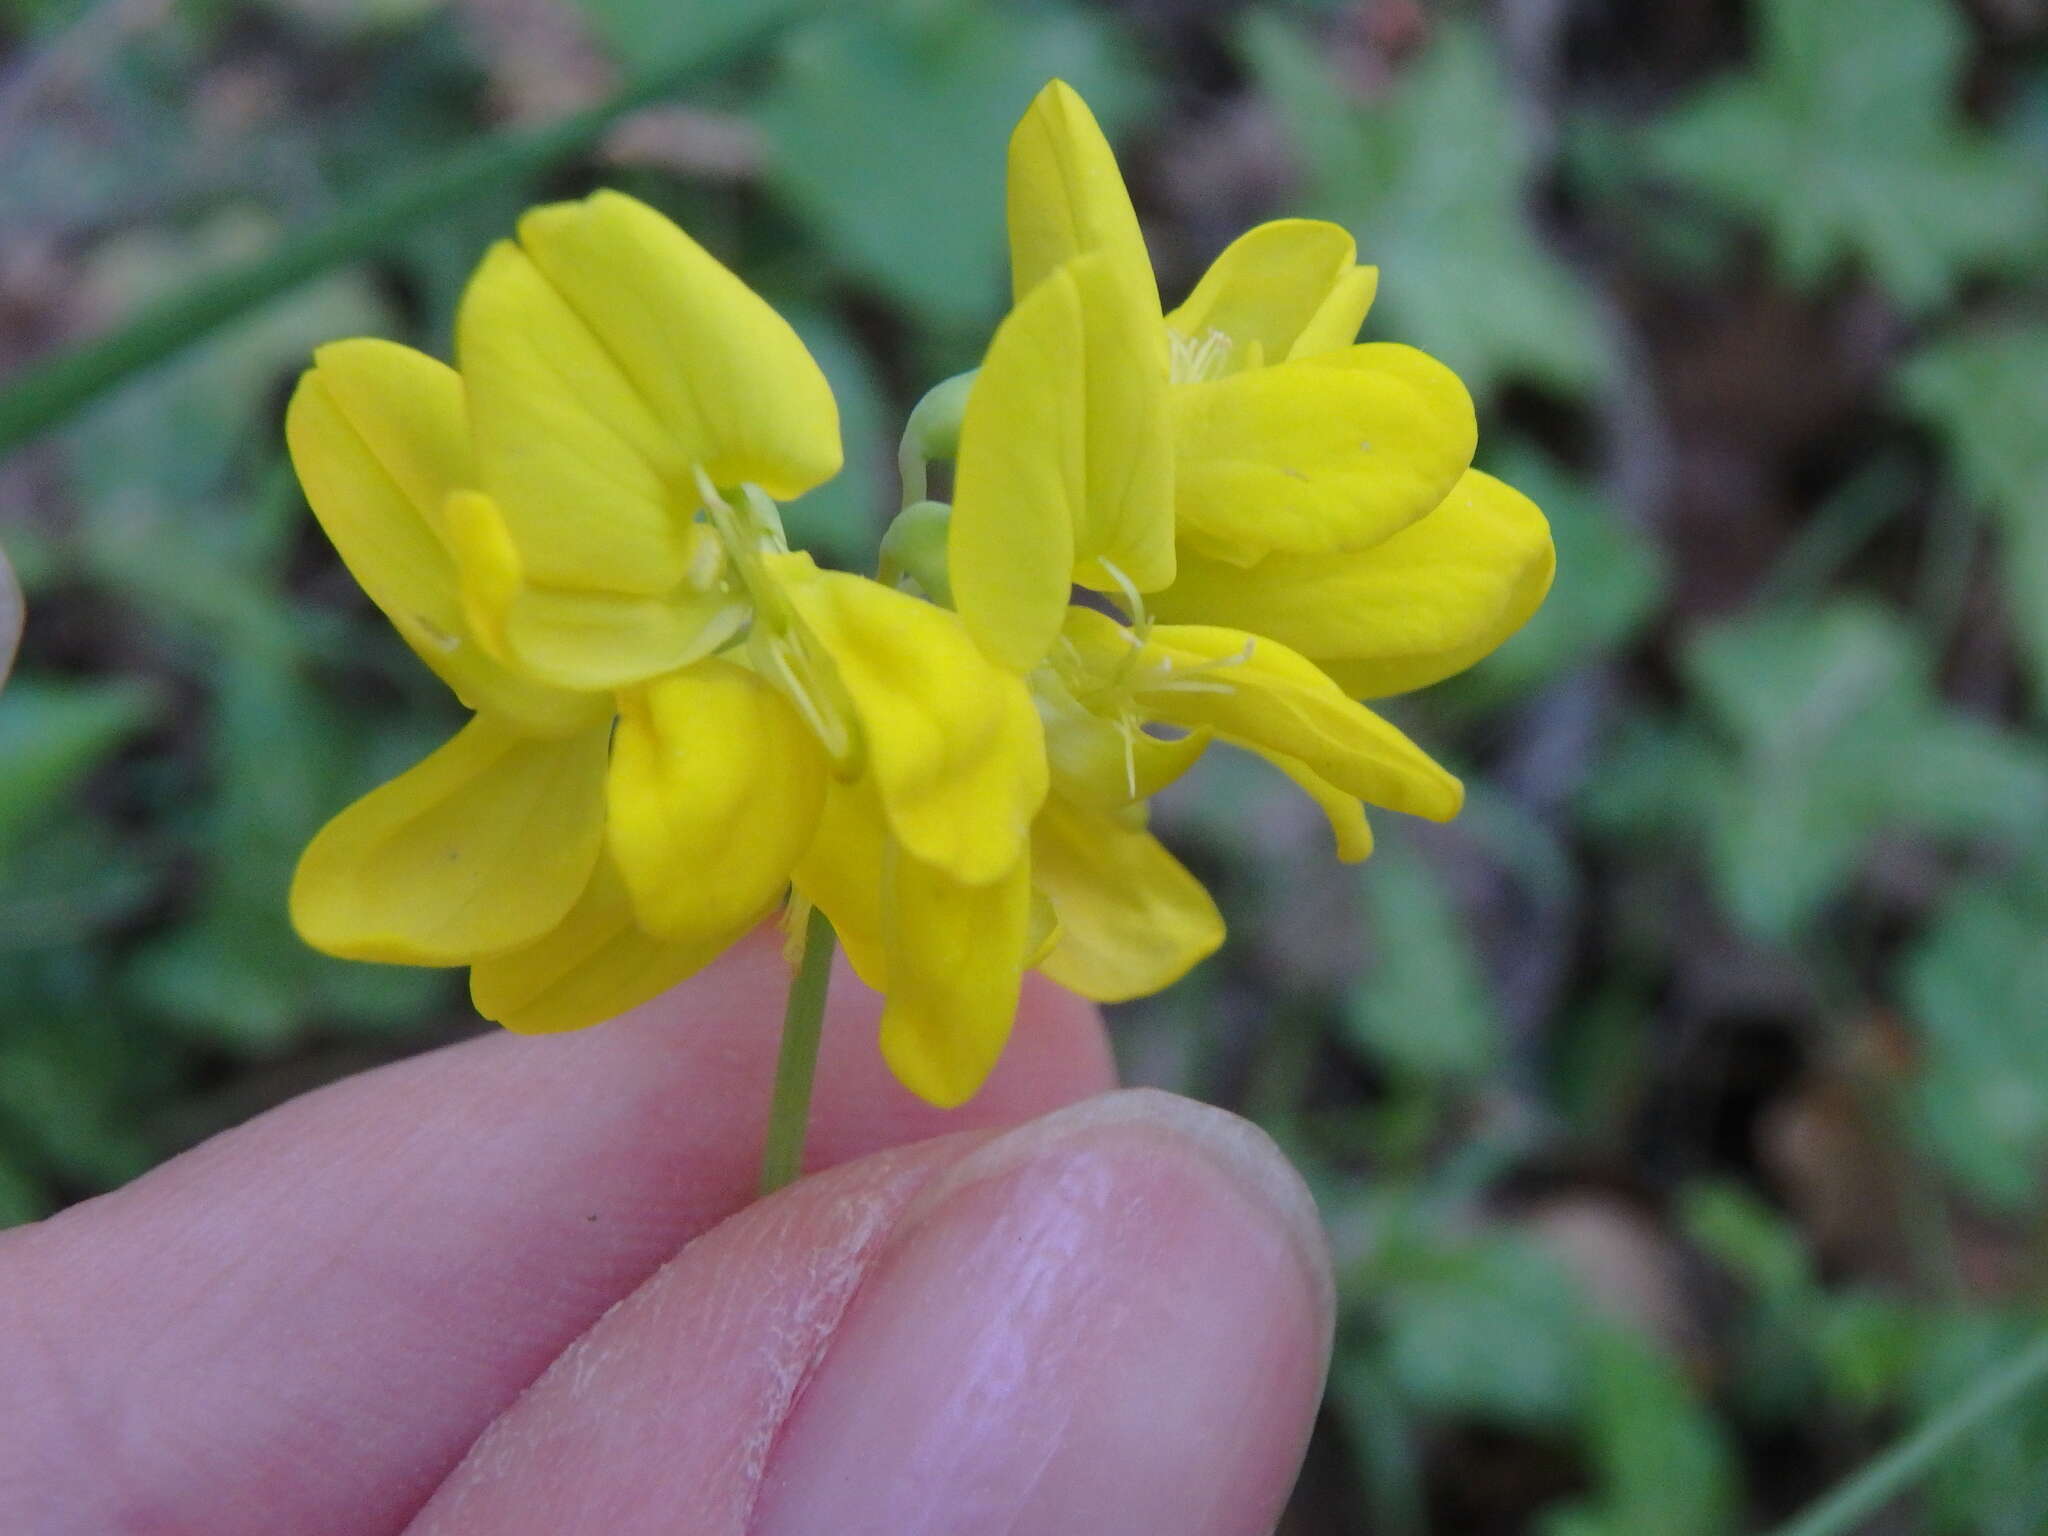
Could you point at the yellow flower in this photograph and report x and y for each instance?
(488, 843)
(1285, 436)
(615, 369)
(678, 720)
(1322, 490)
(673, 710)
(1238, 466)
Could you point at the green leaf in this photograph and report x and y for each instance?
(635, 31)
(1423, 1008)
(1433, 179)
(52, 734)
(1836, 736)
(22, 1197)
(70, 1082)
(1489, 1329)
(1986, 394)
(71, 877)
(1974, 987)
(1663, 1464)
(1847, 144)
(1656, 778)
(1867, 1345)
(890, 123)
(1775, 1372)
(1378, 1428)
(1798, 1345)
(1746, 1236)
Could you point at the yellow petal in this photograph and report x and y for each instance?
(1066, 198)
(1428, 602)
(1346, 813)
(596, 492)
(1336, 452)
(1334, 326)
(841, 874)
(592, 966)
(608, 361)
(714, 791)
(585, 640)
(951, 740)
(479, 848)
(1257, 693)
(1065, 468)
(1132, 919)
(956, 962)
(724, 373)
(379, 437)
(1285, 289)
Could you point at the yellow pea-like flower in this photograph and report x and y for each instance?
(675, 714)
(1270, 453)
(614, 369)
(1330, 540)
(679, 723)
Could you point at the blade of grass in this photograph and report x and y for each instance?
(1898, 1469)
(1839, 529)
(47, 393)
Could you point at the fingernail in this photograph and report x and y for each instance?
(1112, 1320)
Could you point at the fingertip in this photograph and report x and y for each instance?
(1115, 1318)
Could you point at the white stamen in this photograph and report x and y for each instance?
(1196, 359)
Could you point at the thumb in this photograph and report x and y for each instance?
(1114, 1319)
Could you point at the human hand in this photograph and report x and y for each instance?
(518, 1286)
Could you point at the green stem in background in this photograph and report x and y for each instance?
(1840, 528)
(803, 1022)
(1899, 1468)
(49, 392)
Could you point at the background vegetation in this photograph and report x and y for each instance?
(1681, 1112)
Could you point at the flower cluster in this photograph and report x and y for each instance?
(1226, 523)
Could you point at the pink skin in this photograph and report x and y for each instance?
(1113, 1319)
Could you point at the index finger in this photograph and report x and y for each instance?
(302, 1324)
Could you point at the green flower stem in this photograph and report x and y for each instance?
(932, 432)
(803, 1022)
(1899, 1468)
(51, 391)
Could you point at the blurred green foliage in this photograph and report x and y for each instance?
(1680, 1114)
(1848, 142)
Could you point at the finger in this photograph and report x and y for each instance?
(302, 1324)
(1114, 1320)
